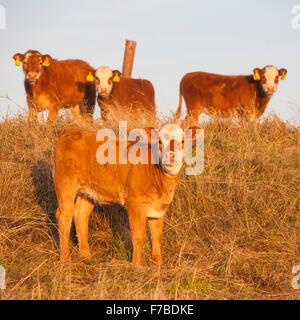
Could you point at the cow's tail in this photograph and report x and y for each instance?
(178, 111)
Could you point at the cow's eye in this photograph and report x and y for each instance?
(97, 80)
(109, 80)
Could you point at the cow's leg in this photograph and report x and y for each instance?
(83, 209)
(194, 115)
(77, 113)
(88, 102)
(87, 110)
(32, 110)
(64, 214)
(53, 113)
(137, 221)
(155, 227)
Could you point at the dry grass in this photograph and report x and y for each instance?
(230, 233)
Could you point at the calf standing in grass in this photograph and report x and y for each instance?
(144, 189)
(51, 84)
(228, 96)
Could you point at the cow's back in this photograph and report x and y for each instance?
(64, 80)
(135, 93)
(217, 93)
(76, 158)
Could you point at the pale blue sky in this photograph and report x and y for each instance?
(173, 37)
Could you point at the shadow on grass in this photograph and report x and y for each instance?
(41, 174)
(42, 179)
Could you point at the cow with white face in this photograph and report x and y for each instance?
(144, 189)
(118, 94)
(104, 80)
(228, 95)
(171, 140)
(268, 78)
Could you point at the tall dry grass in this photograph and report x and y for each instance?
(230, 233)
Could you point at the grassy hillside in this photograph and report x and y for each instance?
(231, 233)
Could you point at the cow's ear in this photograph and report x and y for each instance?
(191, 132)
(90, 77)
(282, 73)
(18, 57)
(116, 76)
(256, 74)
(46, 60)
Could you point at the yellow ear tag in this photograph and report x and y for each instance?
(256, 76)
(283, 76)
(46, 63)
(17, 61)
(116, 78)
(90, 77)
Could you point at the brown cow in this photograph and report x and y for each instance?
(117, 94)
(81, 178)
(219, 95)
(51, 84)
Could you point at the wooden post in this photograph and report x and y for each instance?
(128, 58)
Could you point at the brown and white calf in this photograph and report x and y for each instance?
(220, 95)
(51, 84)
(117, 95)
(144, 189)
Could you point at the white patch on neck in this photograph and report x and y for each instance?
(172, 170)
(155, 214)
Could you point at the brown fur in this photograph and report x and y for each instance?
(141, 188)
(135, 96)
(220, 95)
(62, 84)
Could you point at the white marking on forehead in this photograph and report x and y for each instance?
(271, 72)
(104, 73)
(173, 131)
(28, 55)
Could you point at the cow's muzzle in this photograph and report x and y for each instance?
(32, 77)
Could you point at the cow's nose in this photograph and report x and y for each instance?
(271, 90)
(32, 75)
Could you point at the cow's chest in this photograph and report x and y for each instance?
(159, 205)
(41, 101)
